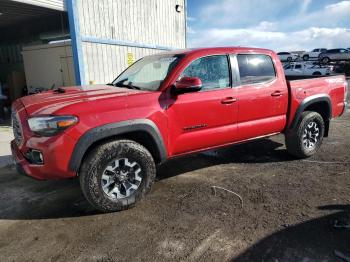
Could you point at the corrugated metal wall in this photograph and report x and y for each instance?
(52, 4)
(154, 25)
(10, 53)
(10, 59)
(105, 62)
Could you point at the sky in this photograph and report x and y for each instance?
(281, 25)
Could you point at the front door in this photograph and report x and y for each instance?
(207, 118)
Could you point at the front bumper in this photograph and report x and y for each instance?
(40, 172)
(23, 167)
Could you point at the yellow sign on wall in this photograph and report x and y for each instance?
(130, 58)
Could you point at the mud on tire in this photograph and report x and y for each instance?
(309, 124)
(96, 163)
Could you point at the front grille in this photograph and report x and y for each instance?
(16, 126)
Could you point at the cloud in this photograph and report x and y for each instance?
(190, 30)
(304, 6)
(191, 18)
(266, 26)
(279, 41)
(306, 29)
(333, 15)
(241, 13)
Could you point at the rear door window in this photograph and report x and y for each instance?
(255, 68)
(332, 51)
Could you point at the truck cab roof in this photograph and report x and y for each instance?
(220, 50)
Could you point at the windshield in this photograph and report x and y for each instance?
(148, 73)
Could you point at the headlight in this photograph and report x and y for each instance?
(51, 125)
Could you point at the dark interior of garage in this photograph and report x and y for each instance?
(22, 25)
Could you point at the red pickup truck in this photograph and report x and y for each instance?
(164, 106)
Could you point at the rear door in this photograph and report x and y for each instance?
(334, 54)
(207, 118)
(262, 97)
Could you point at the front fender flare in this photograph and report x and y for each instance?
(109, 130)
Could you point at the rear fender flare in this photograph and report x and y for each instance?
(309, 101)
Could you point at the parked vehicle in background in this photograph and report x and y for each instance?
(303, 69)
(313, 54)
(163, 106)
(334, 55)
(286, 56)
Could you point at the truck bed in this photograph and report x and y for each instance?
(292, 78)
(301, 88)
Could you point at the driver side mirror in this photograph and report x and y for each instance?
(188, 84)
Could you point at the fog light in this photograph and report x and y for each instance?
(35, 157)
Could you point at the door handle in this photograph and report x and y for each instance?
(228, 100)
(276, 93)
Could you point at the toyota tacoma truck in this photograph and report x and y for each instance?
(163, 106)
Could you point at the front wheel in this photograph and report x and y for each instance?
(306, 57)
(306, 138)
(116, 175)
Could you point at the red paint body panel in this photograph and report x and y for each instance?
(333, 86)
(187, 123)
(201, 108)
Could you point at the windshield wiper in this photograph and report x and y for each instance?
(128, 85)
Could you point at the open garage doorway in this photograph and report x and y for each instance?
(35, 50)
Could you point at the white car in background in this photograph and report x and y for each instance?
(286, 56)
(313, 54)
(304, 69)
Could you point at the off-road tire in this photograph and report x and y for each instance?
(294, 137)
(93, 167)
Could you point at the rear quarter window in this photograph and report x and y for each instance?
(255, 68)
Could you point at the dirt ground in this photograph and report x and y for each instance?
(289, 208)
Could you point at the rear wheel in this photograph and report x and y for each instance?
(326, 60)
(117, 174)
(289, 59)
(316, 73)
(306, 57)
(306, 138)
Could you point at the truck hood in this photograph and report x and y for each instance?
(50, 101)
